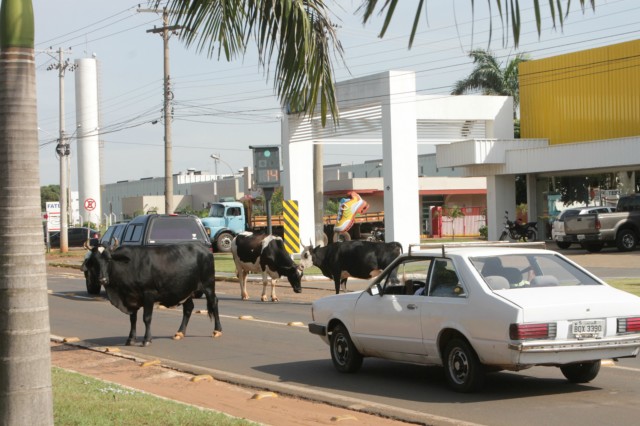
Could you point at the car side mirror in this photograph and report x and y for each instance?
(374, 289)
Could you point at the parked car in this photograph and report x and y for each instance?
(557, 228)
(480, 309)
(152, 230)
(76, 237)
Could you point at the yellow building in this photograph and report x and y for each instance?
(583, 96)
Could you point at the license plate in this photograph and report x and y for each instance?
(591, 328)
(580, 236)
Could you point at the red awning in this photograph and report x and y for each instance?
(452, 191)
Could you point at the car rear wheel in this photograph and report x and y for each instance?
(626, 240)
(462, 367)
(345, 356)
(563, 244)
(581, 372)
(223, 242)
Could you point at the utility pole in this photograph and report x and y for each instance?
(165, 31)
(63, 151)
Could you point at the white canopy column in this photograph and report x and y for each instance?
(400, 164)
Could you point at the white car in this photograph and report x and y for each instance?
(557, 227)
(476, 309)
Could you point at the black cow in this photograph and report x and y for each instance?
(139, 276)
(261, 253)
(358, 259)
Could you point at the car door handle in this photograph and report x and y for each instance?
(411, 306)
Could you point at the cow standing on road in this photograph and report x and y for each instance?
(359, 259)
(261, 253)
(139, 276)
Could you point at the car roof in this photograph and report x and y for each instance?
(474, 249)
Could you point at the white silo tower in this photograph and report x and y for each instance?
(87, 135)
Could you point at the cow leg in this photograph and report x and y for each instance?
(242, 277)
(343, 285)
(187, 309)
(336, 281)
(266, 277)
(133, 319)
(212, 309)
(147, 313)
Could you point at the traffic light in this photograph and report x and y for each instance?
(266, 166)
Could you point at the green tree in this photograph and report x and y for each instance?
(25, 355)
(276, 201)
(49, 193)
(454, 213)
(490, 78)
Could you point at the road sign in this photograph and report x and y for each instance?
(89, 204)
(53, 216)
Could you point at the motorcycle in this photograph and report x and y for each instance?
(377, 234)
(518, 231)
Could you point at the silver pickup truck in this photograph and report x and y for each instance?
(621, 228)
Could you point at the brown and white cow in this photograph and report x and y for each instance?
(262, 253)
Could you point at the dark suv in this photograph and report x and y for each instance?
(153, 230)
(159, 229)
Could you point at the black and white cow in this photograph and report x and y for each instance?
(139, 276)
(262, 253)
(358, 259)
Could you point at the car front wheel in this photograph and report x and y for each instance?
(462, 367)
(344, 354)
(581, 372)
(563, 244)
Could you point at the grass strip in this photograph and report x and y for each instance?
(82, 400)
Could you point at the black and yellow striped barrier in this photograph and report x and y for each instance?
(291, 226)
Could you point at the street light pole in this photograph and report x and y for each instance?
(216, 158)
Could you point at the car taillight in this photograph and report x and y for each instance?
(598, 225)
(629, 325)
(532, 331)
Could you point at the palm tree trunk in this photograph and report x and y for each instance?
(25, 355)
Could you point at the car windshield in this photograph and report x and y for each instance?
(514, 271)
(216, 210)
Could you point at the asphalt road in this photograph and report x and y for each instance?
(273, 350)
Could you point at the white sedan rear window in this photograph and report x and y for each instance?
(529, 270)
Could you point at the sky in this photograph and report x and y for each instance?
(224, 107)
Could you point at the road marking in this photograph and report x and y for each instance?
(619, 367)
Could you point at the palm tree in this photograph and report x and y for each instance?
(509, 12)
(25, 357)
(489, 78)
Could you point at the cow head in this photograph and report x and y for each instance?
(306, 257)
(96, 264)
(294, 275)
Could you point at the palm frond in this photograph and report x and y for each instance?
(296, 37)
(509, 11)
